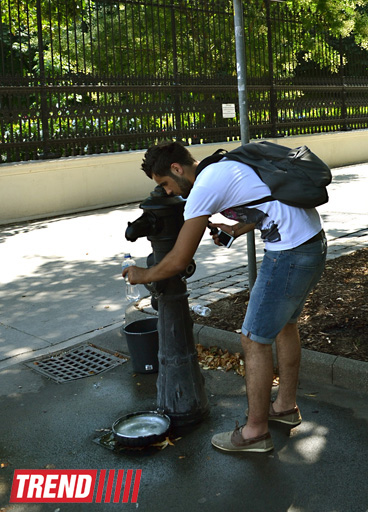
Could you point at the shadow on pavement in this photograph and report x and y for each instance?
(320, 466)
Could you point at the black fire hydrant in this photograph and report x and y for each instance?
(180, 385)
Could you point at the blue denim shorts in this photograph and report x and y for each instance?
(283, 284)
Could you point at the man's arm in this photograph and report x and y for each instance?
(177, 259)
(235, 230)
(241, 228)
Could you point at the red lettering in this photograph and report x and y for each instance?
(75, 486)
(49, 485)
(66, 486)
(35, 486)
(53, 486)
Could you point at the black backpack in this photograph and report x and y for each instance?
(296, 177)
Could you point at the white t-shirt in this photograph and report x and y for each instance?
(227, 186)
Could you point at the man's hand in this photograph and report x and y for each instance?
(177, 259)
(235, 230)
(136, 275)
(224, 227)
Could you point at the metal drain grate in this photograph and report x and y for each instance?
(82, 361)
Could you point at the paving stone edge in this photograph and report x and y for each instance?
(323, 368)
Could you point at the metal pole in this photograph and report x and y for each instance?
(43, 103)
(243, 113)
(177, 94)
(273, 99)
(241, 70)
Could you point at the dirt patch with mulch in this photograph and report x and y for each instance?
(334, 319)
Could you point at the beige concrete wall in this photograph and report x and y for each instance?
(38, 189)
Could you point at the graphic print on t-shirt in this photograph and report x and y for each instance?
(268, 228)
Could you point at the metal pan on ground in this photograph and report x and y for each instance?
(141, 428)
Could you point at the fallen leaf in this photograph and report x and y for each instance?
(162, 445)
(166, 442)
(214, 358)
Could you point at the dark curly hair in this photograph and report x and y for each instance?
(158, 158)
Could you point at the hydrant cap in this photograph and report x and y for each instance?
(159, 200)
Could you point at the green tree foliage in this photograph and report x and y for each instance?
(194, 38)
(112, 67)
(134, 39)
(343, 17)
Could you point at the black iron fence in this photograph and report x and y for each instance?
(93, 76)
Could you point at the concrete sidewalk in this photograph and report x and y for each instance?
(61, 286)
(60, 279)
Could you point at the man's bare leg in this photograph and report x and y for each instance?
(258, 377)
(288, 356)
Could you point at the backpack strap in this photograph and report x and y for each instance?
(212, 159)
(265, 199)
(216, 157)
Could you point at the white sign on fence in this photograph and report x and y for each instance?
(228, 110)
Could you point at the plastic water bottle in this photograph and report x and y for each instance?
(201, 310)
(132, 291)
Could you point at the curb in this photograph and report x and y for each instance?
(322, 368)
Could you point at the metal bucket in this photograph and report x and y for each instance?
(142, 339)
